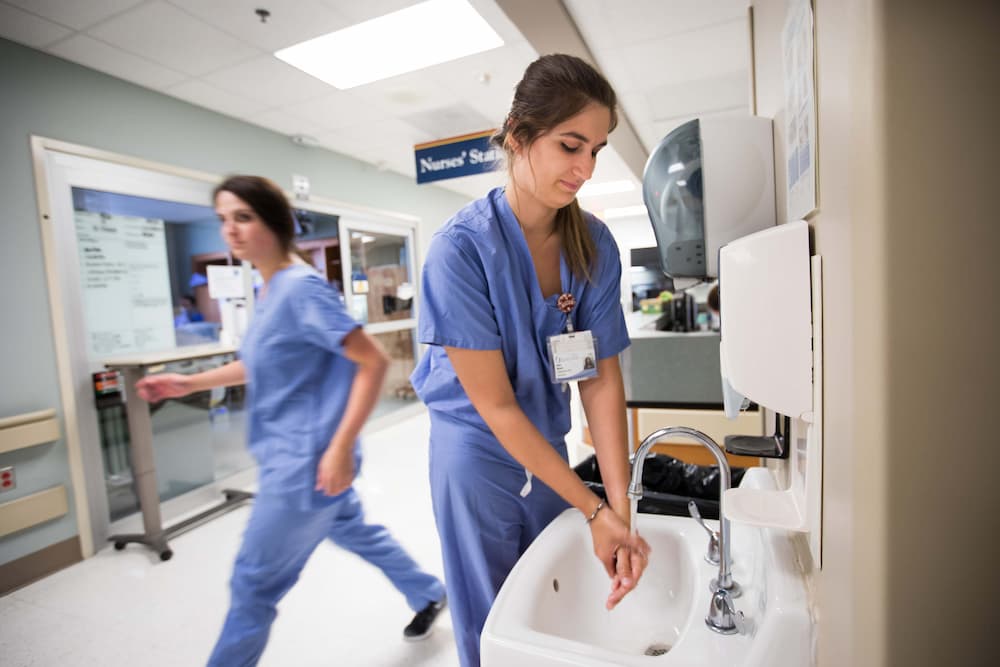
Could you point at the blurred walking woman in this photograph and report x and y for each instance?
(520, 288)
(313, 376)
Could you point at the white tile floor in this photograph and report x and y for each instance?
(128, 608)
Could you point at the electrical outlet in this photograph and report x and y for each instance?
(7, 482)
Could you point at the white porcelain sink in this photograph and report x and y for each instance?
(550, 610)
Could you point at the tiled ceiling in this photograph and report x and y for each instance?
(669, 60)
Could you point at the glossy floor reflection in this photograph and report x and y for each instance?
(128, 608)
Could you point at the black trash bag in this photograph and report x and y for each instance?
(668, 484)
(665, 474)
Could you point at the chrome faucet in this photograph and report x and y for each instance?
(722, 614)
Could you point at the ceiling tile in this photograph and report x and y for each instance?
(269, 81)
(449, 121)
(387, 144)
(610, 24)
(28, 29)
(618, 70)
(171, 37)
(282, 122)
(105, 58)
(713, 51)
(76, 14)
(210, 97)
(405, 94)
(636, 106)
(290, 22)
(490, 95)
(357, 12)
(390, 133)
(337, 110)
(729, 91)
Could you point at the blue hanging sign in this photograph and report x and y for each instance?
(458, 156)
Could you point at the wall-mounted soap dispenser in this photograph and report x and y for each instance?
(771, 353)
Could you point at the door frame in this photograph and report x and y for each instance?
(86, 469)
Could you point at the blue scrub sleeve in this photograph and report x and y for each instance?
(600, 307)
(323, 319)
(456, 310)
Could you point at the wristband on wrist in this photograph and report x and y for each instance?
(597, 509)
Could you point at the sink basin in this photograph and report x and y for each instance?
(552, 604)
(550, 610)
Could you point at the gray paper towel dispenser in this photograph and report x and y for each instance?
(708, 182)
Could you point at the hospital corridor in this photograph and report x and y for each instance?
(122, 609)
(499, 333)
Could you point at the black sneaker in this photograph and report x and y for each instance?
(420, 627)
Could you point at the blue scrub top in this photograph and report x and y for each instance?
(480, 292)
(298, 381)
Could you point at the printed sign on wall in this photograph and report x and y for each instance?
(125, 283)
(458, 156)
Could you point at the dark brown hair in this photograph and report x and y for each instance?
(267, 201)
(554, 88)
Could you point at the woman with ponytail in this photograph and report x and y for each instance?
(313, 376)
(520, 289)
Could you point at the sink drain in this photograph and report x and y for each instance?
(657, 649)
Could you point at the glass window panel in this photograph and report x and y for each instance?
(317, 238)
(381, 277)
(397, 392)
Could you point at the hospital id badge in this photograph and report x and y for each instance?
(573, 356)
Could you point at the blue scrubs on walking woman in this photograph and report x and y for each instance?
(497, 283)
(312, 377)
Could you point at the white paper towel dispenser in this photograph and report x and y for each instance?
(770, 292)
(766, 313)
(709, 181)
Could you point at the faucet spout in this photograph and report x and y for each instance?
(635, 492)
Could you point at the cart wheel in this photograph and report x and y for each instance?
(119, 545)
(166, 555)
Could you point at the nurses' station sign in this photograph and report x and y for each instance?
(455, 157)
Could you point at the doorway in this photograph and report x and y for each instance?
(380, 293)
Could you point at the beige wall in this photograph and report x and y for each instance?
(941, 107)
(907, 103)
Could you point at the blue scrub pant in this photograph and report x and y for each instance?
(278, 541)
(483, 521)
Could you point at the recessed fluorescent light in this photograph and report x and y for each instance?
(592, 189)
(413, 38)
(625, 212)
(675, 167)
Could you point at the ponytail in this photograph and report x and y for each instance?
(577, 243)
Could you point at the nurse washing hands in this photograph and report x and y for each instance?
(313, 376)
(520, 290)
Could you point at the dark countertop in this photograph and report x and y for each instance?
(670, 369)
